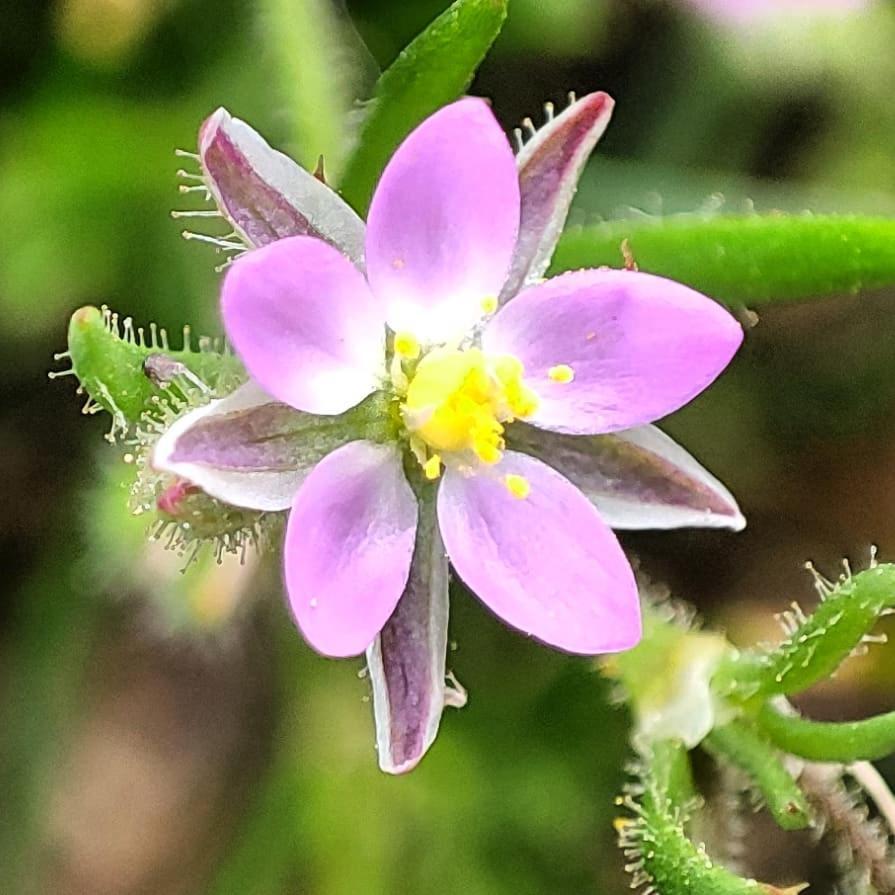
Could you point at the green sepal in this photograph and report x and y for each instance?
(817, 645)
(748, 260)
(431, 71)
(841, 742)
(742, 746)
(109, 363)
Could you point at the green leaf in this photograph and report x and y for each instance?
(322, 65)
(433, 70)
(745, 748)
(110, 362)
(815, 646)
(750, 259)
(842, 742)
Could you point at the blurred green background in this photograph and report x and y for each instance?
(164, 733)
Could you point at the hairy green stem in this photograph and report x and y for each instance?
(659, 852)
(817, 645)
(742, 746)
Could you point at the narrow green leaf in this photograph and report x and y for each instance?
(746, 749)
(745, 259)
(433, 70)
(322, 66)
(817, 645)
(109, 363)
(842, 742)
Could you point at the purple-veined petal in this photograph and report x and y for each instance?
(443, 222)
(546, 564)
(248, 449)
(348, 548)
(639, 347)
(266, 195)
(305, 325)
(406, 662)
(637, 479)
(549, 166)
(185, 451)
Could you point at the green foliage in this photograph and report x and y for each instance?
(843, 742)
(816, 645)
(56, 628)
(433, 70)
(750, 259)
(743, 747)
(321, 59)
(109, 364)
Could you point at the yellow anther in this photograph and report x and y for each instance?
(517, 485)
(562, 373)
(489, 304)
(457, 401)
(508, 369)
(622, 823)
(487, 447)
(432, 467)
(407, 346)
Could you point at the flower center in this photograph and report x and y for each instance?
(456, 403)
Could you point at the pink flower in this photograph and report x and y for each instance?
(404, 397)
(746, 11)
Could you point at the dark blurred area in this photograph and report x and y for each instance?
(166, 733)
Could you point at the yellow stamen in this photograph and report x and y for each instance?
(562, 373)
(407, 346)
(489, 304)
(517, 485)
(457, 401)
(432, 467)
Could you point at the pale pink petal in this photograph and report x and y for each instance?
(348, 548)
(550, 165)
(305, 325)
(746, 12)
(639, 347)
(266, 195)
(443, 222)
(406, 663)
(547, 564)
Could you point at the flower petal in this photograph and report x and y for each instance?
(637, 479)
(549, 166)
(406, 662)
(639, 347)
(305, 324)
(349, 543)
(443, 222)
(266, 195)
(547, 564)
(249, 450)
